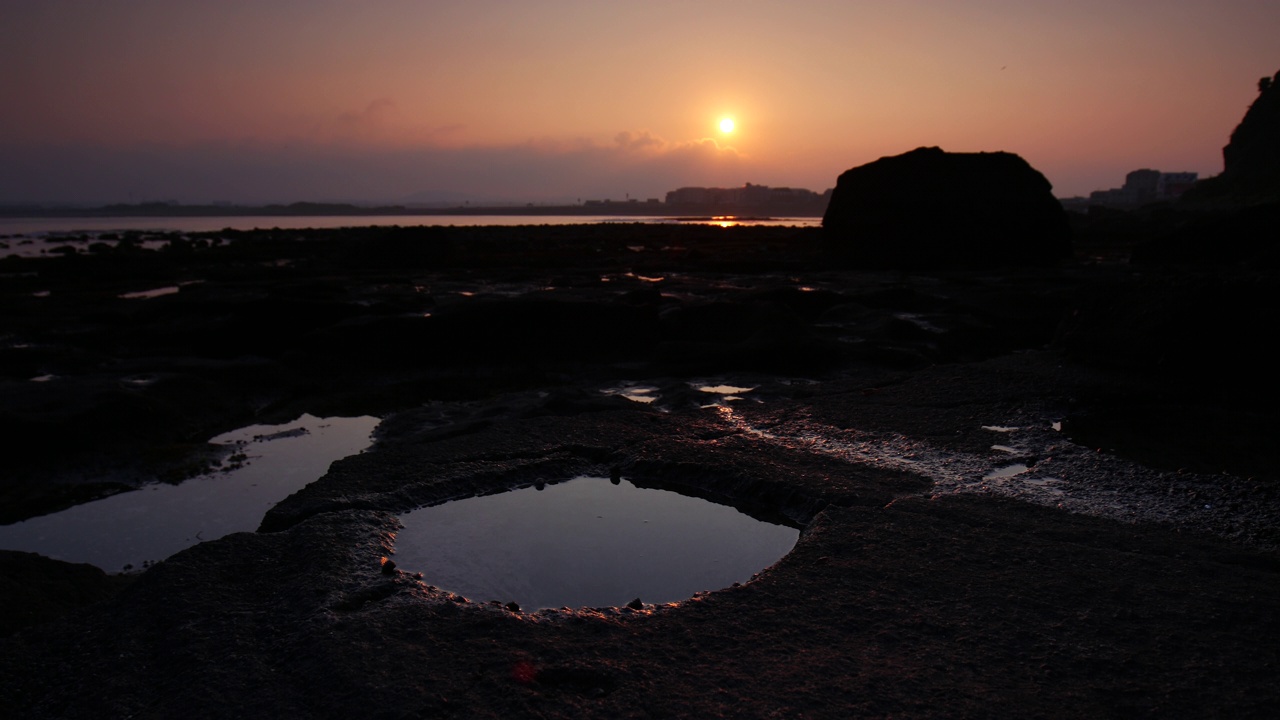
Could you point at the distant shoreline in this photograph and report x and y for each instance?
(347, 210)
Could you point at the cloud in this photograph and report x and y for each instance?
(633, 141)
(366, 124)
(381, 124)
(636, 164)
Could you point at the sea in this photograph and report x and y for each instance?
(33, 237)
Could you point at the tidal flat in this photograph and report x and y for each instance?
(1038, 492)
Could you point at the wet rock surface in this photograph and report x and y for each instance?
(1012, 506)
(35, 589)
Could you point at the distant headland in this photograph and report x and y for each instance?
(748, 200)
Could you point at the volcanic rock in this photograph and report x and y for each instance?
(931, 208)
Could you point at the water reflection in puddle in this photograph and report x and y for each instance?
(148, 294)
(156, 521)
(635, 393)
(586, 543)
(1006, 472)
(729, 390)
(158, 292)
(726, 393)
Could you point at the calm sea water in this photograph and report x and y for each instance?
(33, 237)
(36, 226)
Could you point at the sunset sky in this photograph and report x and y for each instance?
(559, 100)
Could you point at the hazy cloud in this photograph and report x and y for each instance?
(637, 164)
(367, 124)
(380, 123)
(645, 140)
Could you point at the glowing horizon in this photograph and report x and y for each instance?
(563, 99)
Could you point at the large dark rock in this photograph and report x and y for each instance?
(1235, 217)
(1251, 160)
(930, 208)
(1254, 149)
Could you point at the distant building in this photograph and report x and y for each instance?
(1172, 185)
(748, 198)
(629, 206)
(1142, 187)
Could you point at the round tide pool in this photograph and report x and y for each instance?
(587, 542)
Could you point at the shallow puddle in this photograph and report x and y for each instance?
(587, 542)
(126, 531)
(645, 394)
(158, 292)
(728, 390)
(149, 294)
(724, 393)
(1006, 472)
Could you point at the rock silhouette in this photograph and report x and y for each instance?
(1251, 159)
(1231, 219)
(931, 208)
(1254, 149)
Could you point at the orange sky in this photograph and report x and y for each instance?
(250, 101)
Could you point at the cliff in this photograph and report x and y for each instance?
(1251, 160)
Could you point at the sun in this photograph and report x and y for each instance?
(726, 125)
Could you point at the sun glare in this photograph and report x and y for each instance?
(726, 125)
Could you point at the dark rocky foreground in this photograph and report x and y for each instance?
(1130, 570)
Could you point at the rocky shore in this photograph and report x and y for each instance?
(1045, 492)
